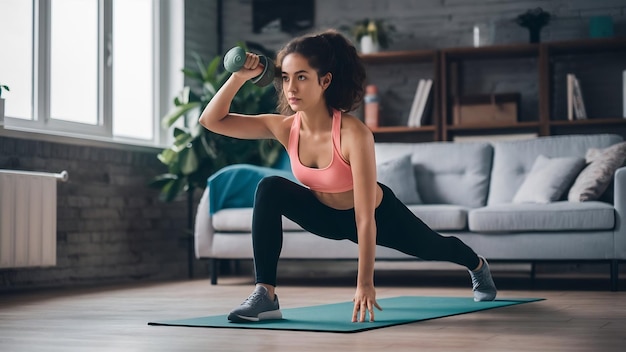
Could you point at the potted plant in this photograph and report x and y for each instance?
(372, 34)
(534, 20)
(2, 87)
(196, 153)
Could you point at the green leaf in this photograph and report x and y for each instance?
(179, 131)
(182, 141)
(188, 161)
(207, 147)
(210, 89)
(193, 74)
(172, 189)
(200, 66)
(213, 67)
(184, 95)
(197, 130)
(176, 113)
(161, 180)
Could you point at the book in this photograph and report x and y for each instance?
(579, 102)
(424, 98)
(570, 93)
(412, 113)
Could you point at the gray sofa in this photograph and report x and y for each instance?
(466, 189)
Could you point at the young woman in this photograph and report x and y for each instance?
(332, 154)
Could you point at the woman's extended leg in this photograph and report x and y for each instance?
(400, 229)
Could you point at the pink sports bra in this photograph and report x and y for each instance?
(336, 177)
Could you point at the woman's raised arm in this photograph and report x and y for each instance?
(216, 116)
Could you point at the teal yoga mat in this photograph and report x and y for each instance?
(336, 317)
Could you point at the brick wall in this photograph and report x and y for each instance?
(111, 227)
(436, 23)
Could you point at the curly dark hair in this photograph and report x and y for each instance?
(328, 51)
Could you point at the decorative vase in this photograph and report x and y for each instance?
(534, 20)
(368, 46)
(535, 34)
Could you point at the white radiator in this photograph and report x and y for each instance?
(28, 218)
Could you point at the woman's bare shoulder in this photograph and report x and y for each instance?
(356, 137)
(279, 124)
(354, 127)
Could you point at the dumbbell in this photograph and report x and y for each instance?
(236, 57)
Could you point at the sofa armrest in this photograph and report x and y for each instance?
(232, 186)
(203, 228)
(619, 197)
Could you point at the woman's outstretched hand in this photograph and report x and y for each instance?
(364, 303)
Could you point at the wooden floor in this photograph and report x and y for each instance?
(577, 315)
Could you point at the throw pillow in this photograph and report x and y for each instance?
(548, 179)
(594, 180)
(398, 175)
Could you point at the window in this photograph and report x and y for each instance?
(16, 60)
(92, 68)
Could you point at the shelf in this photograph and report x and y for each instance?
(402, 129)
(586, 46)
(400, 56)
(499, 126)
(493, 52)
(590, 122)
(447, 65)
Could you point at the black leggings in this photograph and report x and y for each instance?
(397, 227)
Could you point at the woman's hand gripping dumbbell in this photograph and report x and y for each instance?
(260, 69)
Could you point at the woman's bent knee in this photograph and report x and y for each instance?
(270, 189)
(270, 183)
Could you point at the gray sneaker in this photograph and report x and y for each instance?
(257, 306)
(482, 283)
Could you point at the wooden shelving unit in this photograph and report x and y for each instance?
(403, 129)
(544, 57)
(604, 107)
(428, 132)
(589, 122)
(494, 126)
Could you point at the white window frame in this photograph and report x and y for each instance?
(168, 56)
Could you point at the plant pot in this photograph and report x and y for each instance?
(368, 46)
(534, 35)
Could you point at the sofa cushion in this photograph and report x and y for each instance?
(446, 172)
(398, 175)
(240, 220)
(556, 216)
(597, 176)
(440, 217)
(512, 160)
(548, 179)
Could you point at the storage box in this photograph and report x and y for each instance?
(486, 109)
